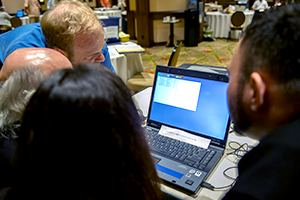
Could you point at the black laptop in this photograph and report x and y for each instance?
(188, 124)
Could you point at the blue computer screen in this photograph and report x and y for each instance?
(20, 13)
(194, 104)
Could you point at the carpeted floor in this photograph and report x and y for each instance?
(217, 53)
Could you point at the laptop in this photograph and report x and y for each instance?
(206, 68)
(188, 124)
(20, 13)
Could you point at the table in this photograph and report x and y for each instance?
(25, 20)
(217, 179)
(171, 37)
(219, 23)
(126, 65)
(209, 7)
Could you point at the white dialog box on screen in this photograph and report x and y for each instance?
(176, 92)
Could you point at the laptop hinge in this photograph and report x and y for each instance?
(216, 145)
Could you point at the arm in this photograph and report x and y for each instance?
(38, 4)
(26, 6)
(266, 4)
(254, 6)
(8, 16)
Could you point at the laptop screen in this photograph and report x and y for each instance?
(191, 103)
(20, 13)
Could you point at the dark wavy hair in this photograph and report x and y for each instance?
(81, 137)
(271, 44)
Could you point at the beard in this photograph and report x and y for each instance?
(240, 120)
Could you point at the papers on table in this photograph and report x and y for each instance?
(123, 48)
(129, 47)
(142, 100)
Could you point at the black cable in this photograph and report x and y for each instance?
(225, 187)
(240, 150)
(227, 176)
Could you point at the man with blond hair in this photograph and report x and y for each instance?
(70, 28)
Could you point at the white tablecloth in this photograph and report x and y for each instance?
(126, 65)
(219, 23)
(25, 20)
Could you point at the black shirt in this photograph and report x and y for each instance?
(272, 169)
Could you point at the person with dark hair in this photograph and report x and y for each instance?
(22, 72)
(15, 92)
(263, 98)
(81, 138)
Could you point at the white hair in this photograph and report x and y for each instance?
(15, 93)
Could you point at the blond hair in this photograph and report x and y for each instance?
(64, 21)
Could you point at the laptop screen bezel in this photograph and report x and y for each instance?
(191, 73)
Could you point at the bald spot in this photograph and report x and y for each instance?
(47, 59)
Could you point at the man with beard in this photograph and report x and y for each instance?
(263, 98)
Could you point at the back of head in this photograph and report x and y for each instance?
(65, 20)
(271, 44)
(85, 135)
(45, 58)
(15, 92)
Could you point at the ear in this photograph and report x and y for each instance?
(258, 91)
(61, 51)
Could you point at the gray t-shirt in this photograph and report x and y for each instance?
(5, 18)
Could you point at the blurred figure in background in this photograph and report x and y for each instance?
(50, 4)
(32, 8)
(5, 18)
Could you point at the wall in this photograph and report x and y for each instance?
(91, 3)
(167, 5)
(132, 5)
(12, 6)
(161, 31)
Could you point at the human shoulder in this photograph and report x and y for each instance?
(25, 36)
(255, 3)
(265, 2)
(271, 168)
(105, 49)
(107, 62)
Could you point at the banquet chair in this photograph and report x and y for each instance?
(15, 22)
(237, 22)
(143, 79)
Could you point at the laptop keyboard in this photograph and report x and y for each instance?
(180, 151)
